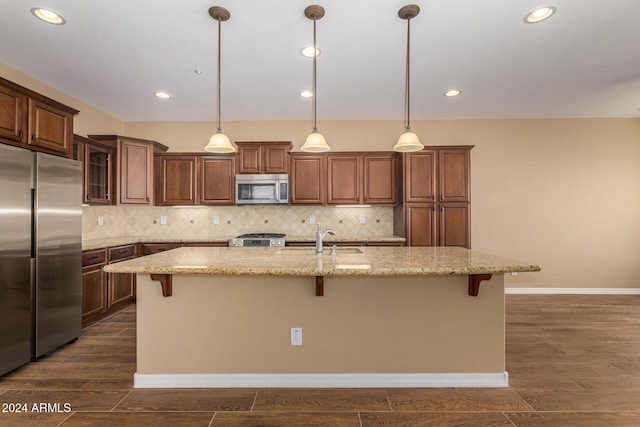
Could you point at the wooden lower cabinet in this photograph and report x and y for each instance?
(104, 294)
(94, 285)
(154, 248)
(122, 286)
(94, 299)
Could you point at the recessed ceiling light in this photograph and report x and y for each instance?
(47, 15)
(306, 94)
(308, 51)
(452, 92)
(163, 95)
(539, 14)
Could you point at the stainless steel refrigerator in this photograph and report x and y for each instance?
(40, 254)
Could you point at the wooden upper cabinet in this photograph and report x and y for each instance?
(344, 179)
(250, 158)
(176, 180)
(135, 161)
(50, 127)
(380, 175)
(30, 119)
(347, 178)
(13, 119)
(263, 157)
(217, 177)
(307, 179)
(134, 168)
(97, 172)
(453, 168)
(187, 179)
(420, 176)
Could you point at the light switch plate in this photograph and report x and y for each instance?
(363, 219)
(163, 219)
(216, 219)
(312, 219)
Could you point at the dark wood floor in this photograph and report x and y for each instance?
(572, 360)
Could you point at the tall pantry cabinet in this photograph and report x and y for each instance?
(435, 199)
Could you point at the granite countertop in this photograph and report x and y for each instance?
(296, 261)
(128, 240)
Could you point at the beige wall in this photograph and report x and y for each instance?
(564, 194)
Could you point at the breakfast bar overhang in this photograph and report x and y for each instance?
(384, 317)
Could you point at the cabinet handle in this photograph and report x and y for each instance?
(93, 257)
(20, 134)
(441, 197)
(147, 199)
(33, 137)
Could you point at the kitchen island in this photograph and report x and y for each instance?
(370, 317)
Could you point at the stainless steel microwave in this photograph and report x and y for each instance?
(262, 189)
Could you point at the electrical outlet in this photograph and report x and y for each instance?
(163, 219)
(100, 220)
(363, 219)
(216, 219)
(296, 336)
(312, 219)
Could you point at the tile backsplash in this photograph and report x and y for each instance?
(198, 222)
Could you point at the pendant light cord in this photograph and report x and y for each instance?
(218, 84)
(315, 92)
(407, 80)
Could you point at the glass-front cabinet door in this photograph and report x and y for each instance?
(97, 175)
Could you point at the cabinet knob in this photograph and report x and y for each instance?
(20, 134)
(33, 137)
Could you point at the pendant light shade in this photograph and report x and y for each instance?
(219, 142)
(315, 142)
(408, 141)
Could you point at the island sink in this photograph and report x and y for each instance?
(303, 250)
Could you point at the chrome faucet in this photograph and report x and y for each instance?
(320, 236)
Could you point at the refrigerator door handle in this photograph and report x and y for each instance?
(33, 224)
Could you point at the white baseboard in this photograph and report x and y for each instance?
(574, 291)
(321, 380)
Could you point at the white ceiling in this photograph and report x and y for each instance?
(582, 62)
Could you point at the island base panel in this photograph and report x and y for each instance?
(362, 325)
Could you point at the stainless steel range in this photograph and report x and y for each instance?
(258, 239)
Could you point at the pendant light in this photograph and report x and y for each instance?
(408, 141)
(315, 142)
(219, 142)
